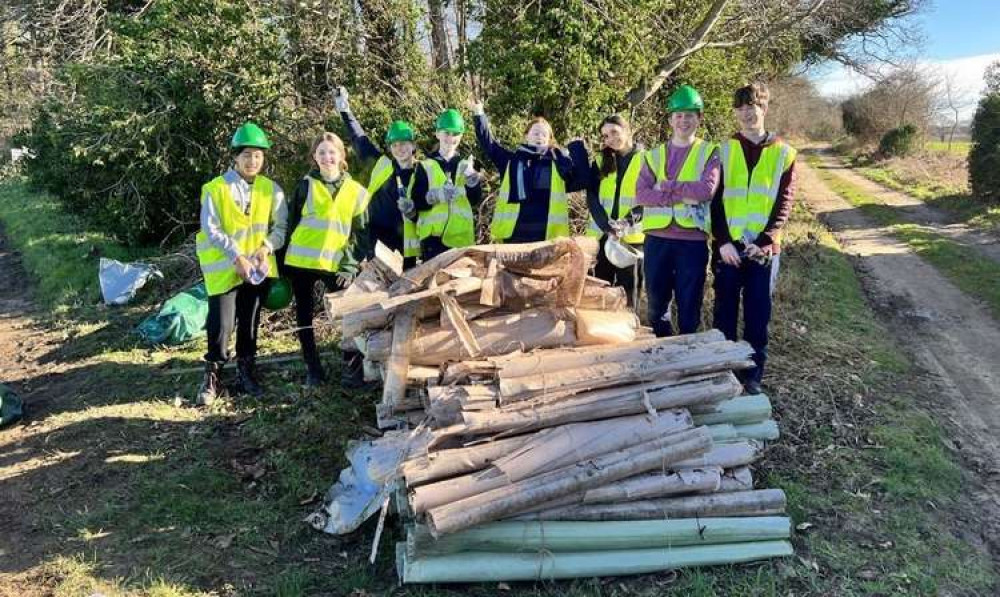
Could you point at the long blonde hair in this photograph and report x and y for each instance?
(548, 125)
(337, 142)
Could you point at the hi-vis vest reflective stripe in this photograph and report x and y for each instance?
(249, 232)
(318, 241)
(686, 216)
(505, 213)
(451, 221)
(626, 197)
(382, 173)
(748, 198)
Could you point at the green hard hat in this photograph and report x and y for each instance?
(250, 135)
(399, 130)
(279, 294)
(450, 120)
(685, 99)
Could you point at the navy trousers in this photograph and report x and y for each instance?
(674, 270)
(754, 282)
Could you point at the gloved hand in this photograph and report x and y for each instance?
(450, 191)
(340, 100)
(435, 196)
(476, 107)
(472, 178)
(406, 206)
(617, 228)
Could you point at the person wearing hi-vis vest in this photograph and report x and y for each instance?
(444, 191)
(676, 184)
(535, 179)
(749, 212)
(388, 184)
(243, 221)
(611, 184)
(327, 239)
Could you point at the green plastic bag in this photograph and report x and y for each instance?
(11, 407)
(180, 319)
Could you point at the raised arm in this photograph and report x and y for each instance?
(363, 146)
(495, 152)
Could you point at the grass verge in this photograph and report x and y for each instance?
(58, 250)
(162, 499)
(962, 265)
(935, 190)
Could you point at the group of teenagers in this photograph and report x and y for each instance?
(687, 204)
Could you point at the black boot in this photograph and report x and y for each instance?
(352, 374)
(245, 378)
(211, 386)
(315, 376)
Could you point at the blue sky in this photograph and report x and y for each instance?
(959, 29)
(960, 40)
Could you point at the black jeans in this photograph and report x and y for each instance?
(239, 308)
(303, 284)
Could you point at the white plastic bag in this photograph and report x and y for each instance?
(120, 281)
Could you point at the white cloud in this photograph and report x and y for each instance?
(836, 81)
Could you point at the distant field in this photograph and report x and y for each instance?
(957, 147)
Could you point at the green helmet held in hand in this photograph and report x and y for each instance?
(685, 99)
(250, 135)
(279, 295)
(451, 121)
(399, 130)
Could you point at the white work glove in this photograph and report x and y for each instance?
(476, 107)
(435, 196)
(340, 100)
(472, 178)
(406, 206)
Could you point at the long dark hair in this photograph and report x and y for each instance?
(609, 159)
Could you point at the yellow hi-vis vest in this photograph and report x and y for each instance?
(697, 217)
(318, 241)
(748, 198)
(249, 232)
(505, 213)
(381, 173)
(451, 221)
(626, 197)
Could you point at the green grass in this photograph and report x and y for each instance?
(58, 249)
(957, 147)
(966, 268)
(164, 508)
(954, 200)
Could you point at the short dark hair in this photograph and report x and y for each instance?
(754, 94)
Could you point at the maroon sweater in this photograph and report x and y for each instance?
(779, 213)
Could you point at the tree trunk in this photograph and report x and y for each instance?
(439, 35)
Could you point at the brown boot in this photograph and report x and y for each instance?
(211, 386)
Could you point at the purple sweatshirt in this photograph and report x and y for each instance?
(671, 192)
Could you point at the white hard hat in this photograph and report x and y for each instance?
(621, 254)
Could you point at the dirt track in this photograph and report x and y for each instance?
(950, 335)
